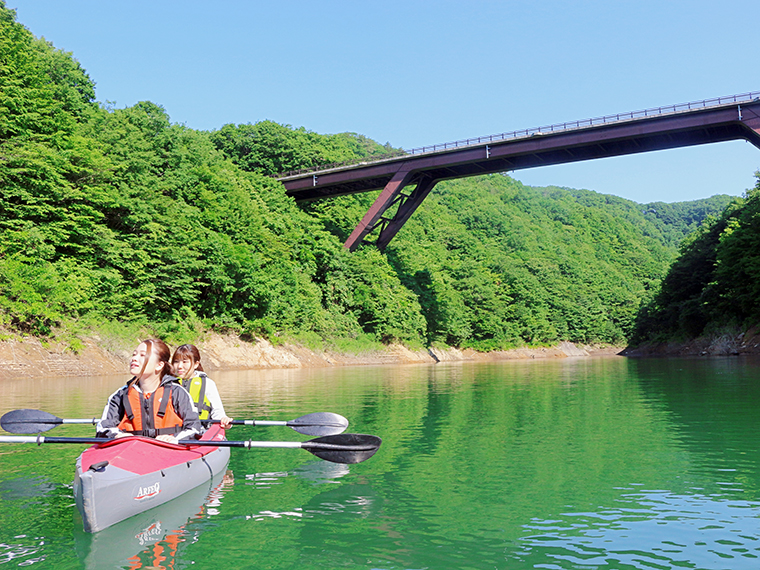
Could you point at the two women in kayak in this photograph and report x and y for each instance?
(154, 403)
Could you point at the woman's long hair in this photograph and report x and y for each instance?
(163, 353)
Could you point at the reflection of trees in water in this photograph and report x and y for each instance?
(509, 441)
(712, 405)
(26, 488)
(298, 512)
(472, 456)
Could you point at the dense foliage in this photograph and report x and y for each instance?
(714, 283)
(496, 264)
(270, 148)
(677, 219)
(119, 216)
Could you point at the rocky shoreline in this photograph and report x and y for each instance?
(31, 358)
(728, 343)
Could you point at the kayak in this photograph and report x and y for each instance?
(126, 476)
(119, 478)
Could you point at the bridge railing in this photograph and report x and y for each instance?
(594, 122)
(537, 131)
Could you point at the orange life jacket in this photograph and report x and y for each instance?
(141, 416)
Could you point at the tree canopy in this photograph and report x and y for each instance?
(714, 283)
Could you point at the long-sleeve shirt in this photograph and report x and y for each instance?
(212, 393)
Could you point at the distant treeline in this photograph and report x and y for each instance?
(118, 220)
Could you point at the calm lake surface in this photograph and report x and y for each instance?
(605, 463)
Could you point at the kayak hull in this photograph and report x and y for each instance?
(157, 530)
(126, 476)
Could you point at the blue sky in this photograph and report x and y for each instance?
(415, 72)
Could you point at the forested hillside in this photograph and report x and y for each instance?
(678, 219)
(116, 221)
(714, 284)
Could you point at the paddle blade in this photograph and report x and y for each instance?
(344, 448)
(29, 421)
(320, 423)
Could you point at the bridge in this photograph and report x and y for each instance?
(687, 124)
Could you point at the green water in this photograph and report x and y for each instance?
(580, 463)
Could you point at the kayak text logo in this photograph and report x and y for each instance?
(148, 492)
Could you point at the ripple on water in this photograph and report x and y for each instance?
(22, 553)
(665, 531)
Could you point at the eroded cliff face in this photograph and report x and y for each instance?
(31, 358)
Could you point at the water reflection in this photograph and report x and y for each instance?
(24, 488)
(83, 394)
(290, 499)
(21, 550)
(712, 404)
(346, 500)
(604, 464)
(316, 472)
(650, 529)
(321, 472)
(152, 539)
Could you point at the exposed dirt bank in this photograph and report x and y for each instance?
(30, 358)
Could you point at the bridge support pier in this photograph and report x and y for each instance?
(750, 116)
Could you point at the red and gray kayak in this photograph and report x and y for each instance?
(126, 476)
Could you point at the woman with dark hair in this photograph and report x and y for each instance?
(152, 403)
(189, 370)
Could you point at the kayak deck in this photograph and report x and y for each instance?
(126, 476)
(142, 455)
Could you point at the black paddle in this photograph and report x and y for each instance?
(343, 448)
(37, 421)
